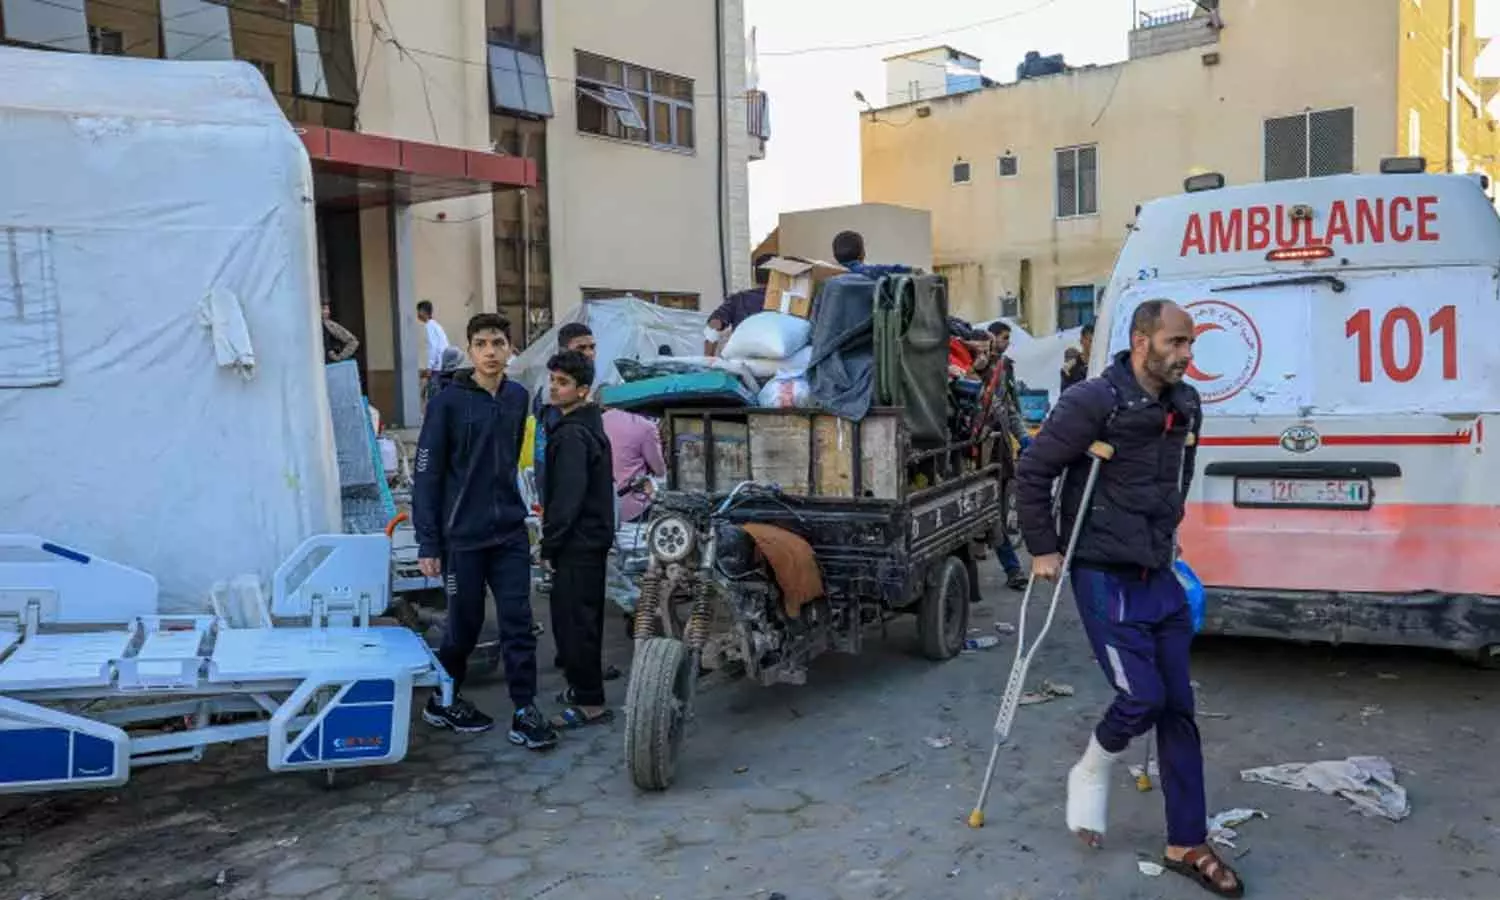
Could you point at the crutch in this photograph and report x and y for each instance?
(1143, 780)
(1099, 452)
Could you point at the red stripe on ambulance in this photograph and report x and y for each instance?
(1363, 221)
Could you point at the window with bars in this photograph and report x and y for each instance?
(1077, 181)
(670, 299)
(632, 103)
(960, 173)
(1309, 145)
(1075, 306)
(1009, 166)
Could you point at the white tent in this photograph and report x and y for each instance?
(162, 400)
(624, 328)
(1038, 360)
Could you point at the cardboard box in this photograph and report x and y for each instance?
(794, 282)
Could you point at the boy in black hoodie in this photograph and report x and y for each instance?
(578, 529)
(471, 528)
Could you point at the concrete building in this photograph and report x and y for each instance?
(934, 72)
(1033, 185)
(518, 155)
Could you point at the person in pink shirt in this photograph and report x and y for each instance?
(637, 451)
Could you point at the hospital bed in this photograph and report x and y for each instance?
(94, 682)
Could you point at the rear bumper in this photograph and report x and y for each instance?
(1446, 621)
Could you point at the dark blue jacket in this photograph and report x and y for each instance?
(465, 495)
(579, 516)
(1138, 502)
(877, 270)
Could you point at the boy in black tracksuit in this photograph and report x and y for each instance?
(578, 529)
(471, 528)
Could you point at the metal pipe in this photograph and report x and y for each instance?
(525, 263)
(1452, 75)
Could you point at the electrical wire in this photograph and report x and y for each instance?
(870, 45)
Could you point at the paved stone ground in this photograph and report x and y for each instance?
(823, 792)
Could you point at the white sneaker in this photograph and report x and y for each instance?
(1088, 793)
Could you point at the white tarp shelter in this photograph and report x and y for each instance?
(162, 400)
(624, 328)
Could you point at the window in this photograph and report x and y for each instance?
(106, 41)
(515, 23)
(267, 71)
(1413, 133)
(30, 338)
(671, 299)
(1010, 167)
(55, 24)
(960, 172)
(1075, 306)
(324, 64)
(1077, 182)
(1310, 144)
(196, 29)
(518, 82)
(630, 103)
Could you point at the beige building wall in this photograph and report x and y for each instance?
(629, 216)
(893, 234)
(1154, 121)
(438, 92)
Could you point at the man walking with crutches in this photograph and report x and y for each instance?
(1133, 608)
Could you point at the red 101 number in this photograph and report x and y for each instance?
(1401, 367)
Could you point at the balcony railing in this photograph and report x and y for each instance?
(1158, 17)
(758, 114)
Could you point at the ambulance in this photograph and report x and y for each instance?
(1348, 358)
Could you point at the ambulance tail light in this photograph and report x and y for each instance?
(1403, 165)
(1299, 254)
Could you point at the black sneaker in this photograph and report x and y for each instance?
(1016, 581)
(461, 716)
(529, 729)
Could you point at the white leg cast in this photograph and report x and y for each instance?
(1088, 792)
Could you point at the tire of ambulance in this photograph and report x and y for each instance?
(943, 613)
(656, 711)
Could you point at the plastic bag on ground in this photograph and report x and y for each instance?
(768, 335)
(1368, 782)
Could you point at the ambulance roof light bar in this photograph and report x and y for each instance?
(1207, 181)
(1403, 165)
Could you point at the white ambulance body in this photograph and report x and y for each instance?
(1348, 357)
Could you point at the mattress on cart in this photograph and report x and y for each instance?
(686, 389)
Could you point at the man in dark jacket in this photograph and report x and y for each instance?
(1075, 366)
(471, 528)
(1132, 606)
(578, 528)
(736, 308)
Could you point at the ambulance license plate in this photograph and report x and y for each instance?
(1302, 493)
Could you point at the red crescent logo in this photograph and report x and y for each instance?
(1193, 371)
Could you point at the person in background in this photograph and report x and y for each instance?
(1009, 405)
(849, 252)
(437, 340)
(578, 529)
(470, 522)
(339, 343)
(576, 337)
(736, 309)
(636, 445)
(453, 360)
(1076, 361)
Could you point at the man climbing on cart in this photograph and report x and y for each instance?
(1133, 609)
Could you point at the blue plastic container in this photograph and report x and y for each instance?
(1194, 590)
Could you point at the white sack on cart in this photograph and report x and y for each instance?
(768, 335)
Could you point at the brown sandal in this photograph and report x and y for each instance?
(1204, 866)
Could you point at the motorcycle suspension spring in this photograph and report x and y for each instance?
(699, 620)
(648, 606)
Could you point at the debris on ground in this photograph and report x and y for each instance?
(1221, 826)
(1367, 712)
(1149, 868)
(938, 743)
(1005, 628)
(1050, 691)
(288, 842)
(1211, 715)
(983, 642)
(740, 770)
(1368, 782)
(1387, 676)
(954, 872)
